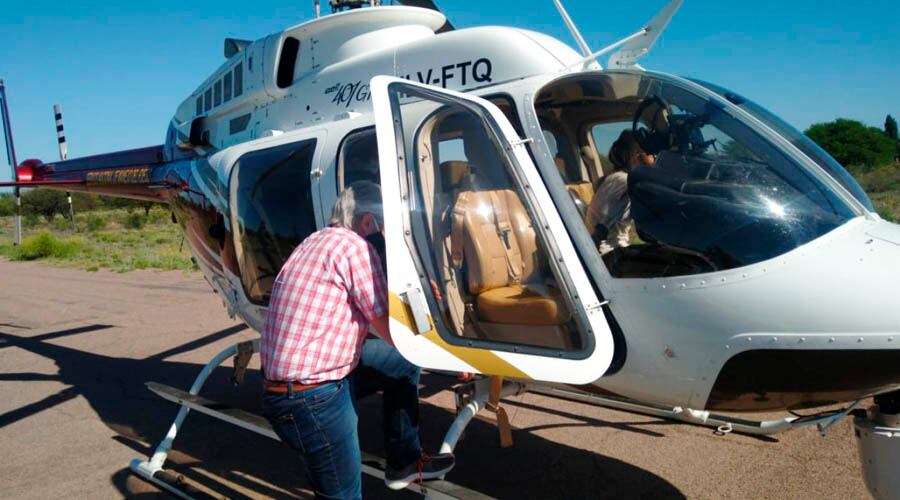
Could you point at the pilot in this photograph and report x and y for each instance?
(315, 356)
(609, 214)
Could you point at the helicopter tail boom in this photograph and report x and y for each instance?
(137, 173)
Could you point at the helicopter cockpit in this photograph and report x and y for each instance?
(723, 192)
(719, 196)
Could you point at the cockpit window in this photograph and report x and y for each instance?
(693, 189)
(801, 141)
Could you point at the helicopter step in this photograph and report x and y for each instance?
(152, 470)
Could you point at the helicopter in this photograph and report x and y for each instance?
(757, 275)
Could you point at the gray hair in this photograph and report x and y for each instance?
(361, 197)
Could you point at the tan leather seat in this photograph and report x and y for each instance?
(522, 305)
(492, 235)
(583, 191)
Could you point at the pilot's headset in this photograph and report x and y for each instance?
(651, 127)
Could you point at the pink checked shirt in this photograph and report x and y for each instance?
(324, 298)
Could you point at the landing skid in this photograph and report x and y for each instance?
(471, 398)
(152, 469)
(722, 423)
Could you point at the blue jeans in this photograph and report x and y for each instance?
(381, 367)
(321, 424)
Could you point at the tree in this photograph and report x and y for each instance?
(853, 144)
(85, 202)
(45, 202)
(890, 128)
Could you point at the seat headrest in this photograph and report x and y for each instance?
(454, 173)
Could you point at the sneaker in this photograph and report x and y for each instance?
(424, 468)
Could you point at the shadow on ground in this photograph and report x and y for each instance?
(214, 453)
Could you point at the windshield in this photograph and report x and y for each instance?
(801, 141)
(670, 183)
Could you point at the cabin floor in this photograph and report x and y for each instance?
(76, 349)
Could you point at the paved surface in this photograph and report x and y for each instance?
(77, 347)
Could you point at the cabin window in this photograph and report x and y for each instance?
(217, 93)
(207, 98)
(358, 159)
(226, 87)
(604, 135)
(238, 79)
(286, 63)
(478, 238)
(199, 106)
(272, 212)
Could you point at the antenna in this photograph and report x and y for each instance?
(11, 157)
(636, 47)
(63, 154)
(591, 57)
(585, 49)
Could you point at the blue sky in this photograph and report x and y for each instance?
(120, 69)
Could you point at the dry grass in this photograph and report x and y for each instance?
(111, 239)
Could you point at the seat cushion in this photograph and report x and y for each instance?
(522, 305)
(583, 191)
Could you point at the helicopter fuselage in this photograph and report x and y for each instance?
(808, 325)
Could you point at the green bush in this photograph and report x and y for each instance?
(7, 205)
(126, 203)
(96, 222)
(887, 215)
(158, 214)
(854, 145)
(61, 224)
(44, 246)
(135, 220)
(31, 220)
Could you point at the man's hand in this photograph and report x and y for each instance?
(437, 291)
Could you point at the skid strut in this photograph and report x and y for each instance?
(152, 469)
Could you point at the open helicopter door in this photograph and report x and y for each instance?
(482, 275)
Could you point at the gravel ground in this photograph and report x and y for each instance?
(76, 349)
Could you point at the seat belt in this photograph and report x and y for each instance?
(504, 228)
(457, 228)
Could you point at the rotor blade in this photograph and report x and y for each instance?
(428, 4)
(632, 51)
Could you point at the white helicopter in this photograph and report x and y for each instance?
(757, 277)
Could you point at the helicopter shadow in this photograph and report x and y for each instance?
(233, 462)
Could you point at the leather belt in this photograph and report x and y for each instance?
(279, 387)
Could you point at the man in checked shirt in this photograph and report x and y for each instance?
(316, 359)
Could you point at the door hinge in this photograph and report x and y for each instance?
(520, 142)
(595, 307)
